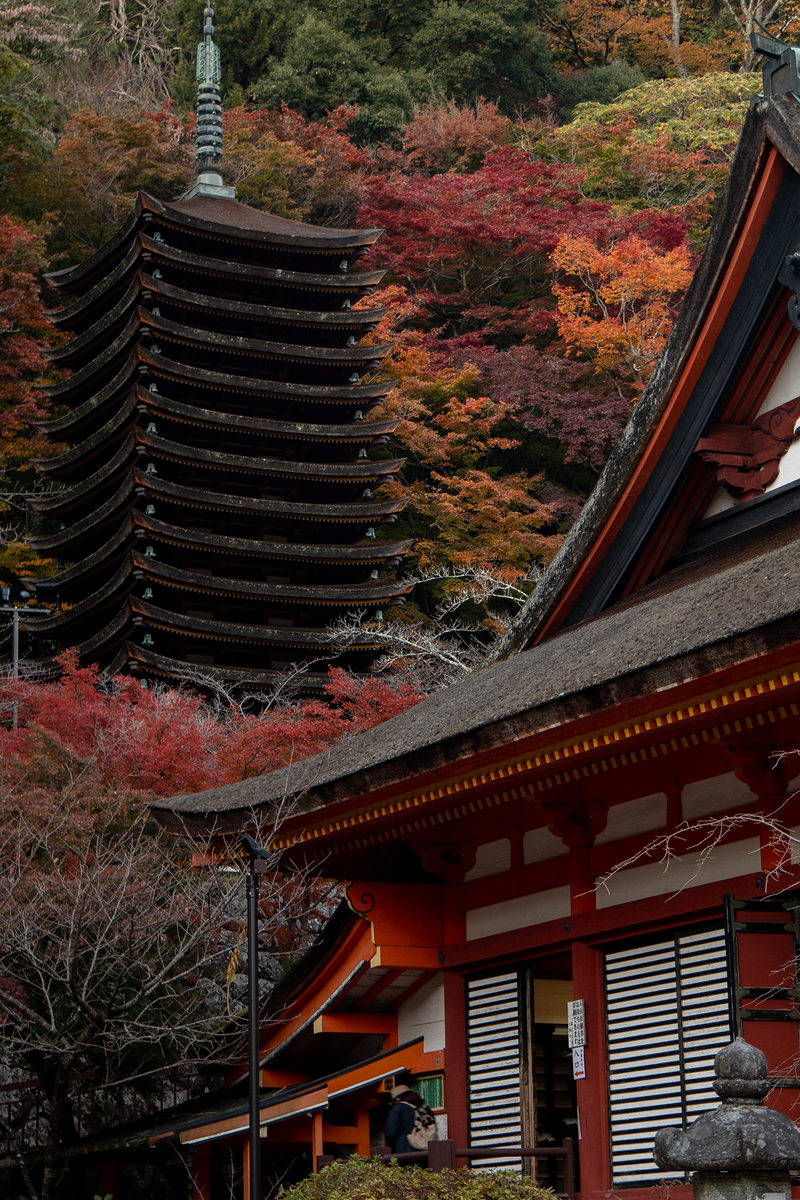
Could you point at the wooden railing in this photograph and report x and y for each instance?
(442, 1156)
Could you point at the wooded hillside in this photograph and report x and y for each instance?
(545, 174)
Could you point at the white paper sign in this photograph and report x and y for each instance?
(576, 1016)
(578, 1063)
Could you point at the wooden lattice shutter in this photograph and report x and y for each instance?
(668, 1013)
(494, 1064)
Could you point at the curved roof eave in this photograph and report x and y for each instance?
(84, 449)
(74, 535)
(174, 668)
(228, 219)
(678, 634)
(58, 501)
(361, 432)
(353, 281)
(358, 472)
(297, 509)
(202, 628)
(339, 595)
(65, 618)
(291, 551)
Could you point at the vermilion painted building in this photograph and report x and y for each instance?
(504, 840)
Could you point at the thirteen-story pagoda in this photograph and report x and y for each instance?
(216, 511)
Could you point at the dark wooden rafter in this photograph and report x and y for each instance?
(215, 500)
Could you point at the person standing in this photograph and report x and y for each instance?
(408, 1110)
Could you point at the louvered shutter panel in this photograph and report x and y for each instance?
(667, 1014)
(705, 1015)
(493, 1064)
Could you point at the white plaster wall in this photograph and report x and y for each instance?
(794, 844)
(655, 879)
(491, 858)
(518, 913)
(423, 1015)
(540, 844)
(713, 795)
(634, 816)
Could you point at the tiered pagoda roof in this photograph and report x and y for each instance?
(215, 509)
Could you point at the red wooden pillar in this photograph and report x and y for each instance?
(593, 1147)
(201, 1181)
(362, 1132)
(316, 1139)
(246, 1170)
(455, 1080)
(582, 893)
(109, 1179)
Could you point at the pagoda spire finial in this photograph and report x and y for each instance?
(208, 131)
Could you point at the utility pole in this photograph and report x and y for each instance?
(258, 858)
(15, 611)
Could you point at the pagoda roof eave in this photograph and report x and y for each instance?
(359, 472)
(202, 628)
(359, 432)
(86, 567)
(248, 226)
(368, 472)
(57, 466)
(294, 351)
(355, 281)
(356, 393)
(171, 668)
(59, 501)
(285, 551)
(93, 523)
(299, 510)
(365, 357)
(219, 216)
(327, 594)
(196, 335)
(65, 618)
(160, 365)
(141, 283)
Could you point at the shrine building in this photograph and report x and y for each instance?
(605, 816)
(214, 508)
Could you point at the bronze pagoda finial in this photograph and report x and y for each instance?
(208, 131)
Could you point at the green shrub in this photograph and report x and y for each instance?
(365, 1179)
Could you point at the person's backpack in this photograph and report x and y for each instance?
(424, 1128)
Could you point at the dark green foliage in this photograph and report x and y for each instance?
(324, 67)
(599, 85)
(24, 153)
(365, 1179)
(490, 48)
(382, 58)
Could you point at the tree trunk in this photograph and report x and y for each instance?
(57, 1111)
(676, 38)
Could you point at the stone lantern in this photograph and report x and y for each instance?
(741, 1150)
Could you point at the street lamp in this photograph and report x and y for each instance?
(258, 864)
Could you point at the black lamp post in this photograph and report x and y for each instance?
(257, 856)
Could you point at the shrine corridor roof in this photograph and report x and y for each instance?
(703, 617)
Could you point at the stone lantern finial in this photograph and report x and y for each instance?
(740, 1150)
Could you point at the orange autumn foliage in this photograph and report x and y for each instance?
(468, 513)
(616, 306)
